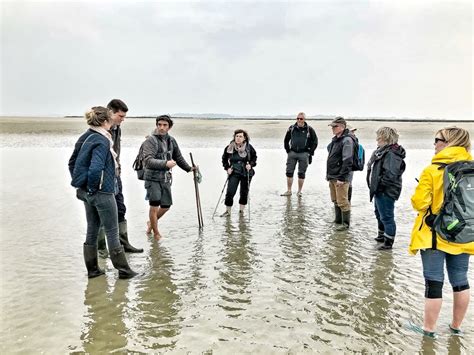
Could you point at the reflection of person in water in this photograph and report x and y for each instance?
(238, 263)
(105, 331)
(158, 302)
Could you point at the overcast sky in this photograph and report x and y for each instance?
(352, 58)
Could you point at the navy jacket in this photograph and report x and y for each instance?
(384, 171)
(91, 165)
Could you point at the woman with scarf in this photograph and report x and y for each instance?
(238, 160)
(384, 179)
(93, 167)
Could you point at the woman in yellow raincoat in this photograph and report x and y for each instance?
(451, 144)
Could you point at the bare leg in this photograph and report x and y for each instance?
(241, 209)
(300, 184)
(460, 303)
(432, 309)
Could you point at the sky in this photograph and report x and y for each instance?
(352, 58)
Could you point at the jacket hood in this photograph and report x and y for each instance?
(398, 150)
(451, 154)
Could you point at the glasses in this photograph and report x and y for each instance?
(439, 140)
(300, 118)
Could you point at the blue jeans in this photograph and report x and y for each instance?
(101, 208)
(384, 211)
(456, 265)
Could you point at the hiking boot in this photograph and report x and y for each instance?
(345, 221)
(338, 214)
(120, 262)
(123, 236)
(387, 243)
(101, 245)
(287, 193)
(90, 259)
(380, 237)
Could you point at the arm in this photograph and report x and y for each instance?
(253, 157)
(72, 159)
(150, 150)
(225, 159)
(286, 141)
(178, 157)
(423, 196)
(95, 173)
(313, 144)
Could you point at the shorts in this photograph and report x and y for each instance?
(158, 193)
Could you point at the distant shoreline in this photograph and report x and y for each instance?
(354, 119)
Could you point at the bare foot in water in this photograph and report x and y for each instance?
(157, 236)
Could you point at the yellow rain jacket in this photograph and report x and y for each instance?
(429, 192)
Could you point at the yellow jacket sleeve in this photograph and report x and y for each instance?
(422, 199)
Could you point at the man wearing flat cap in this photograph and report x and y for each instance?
(339, 171)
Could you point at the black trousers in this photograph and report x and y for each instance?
(232, 185)
(121, 209)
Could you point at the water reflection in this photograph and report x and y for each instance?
(238, 260)
(375, 322)
(158, 303)
(104, 330)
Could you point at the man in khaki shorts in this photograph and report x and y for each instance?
(339, 171)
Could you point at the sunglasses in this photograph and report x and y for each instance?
(439, 140)
(300, 119)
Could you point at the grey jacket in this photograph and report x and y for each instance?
(157, 150)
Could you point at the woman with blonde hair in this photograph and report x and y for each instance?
(451, 144)
(94, 168)
(384, 179)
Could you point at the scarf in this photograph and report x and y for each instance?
(107, 135)
(242, 150)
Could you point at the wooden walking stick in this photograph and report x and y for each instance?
(196, 189)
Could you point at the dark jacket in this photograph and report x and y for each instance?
(91, 165)
(157, 150)
(340, 157)
(237, 163)
(301, 139)
(385, 170)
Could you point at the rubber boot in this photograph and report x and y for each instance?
(380, 237)
(123, 236)
(338, 214)
(387, 243)
(346, 221)
(90, 259)
(101, 245)
(120, 262)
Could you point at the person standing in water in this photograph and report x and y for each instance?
(239, 159)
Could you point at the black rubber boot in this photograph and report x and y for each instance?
(387, 243)
(101, 245)
(380, 237)
(90, 258)
(123, 236)
(338, 214)
(346, 221)
(120, 262)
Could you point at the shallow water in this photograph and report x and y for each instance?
(280, 281)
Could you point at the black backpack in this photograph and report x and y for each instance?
(455, 221)
(138, 162)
